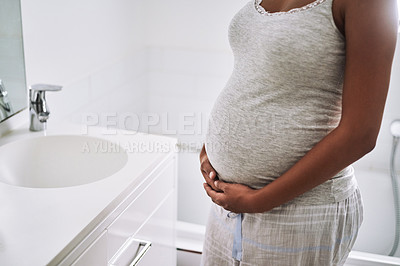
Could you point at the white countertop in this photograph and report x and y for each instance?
(36, 224)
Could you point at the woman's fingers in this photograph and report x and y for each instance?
(212, 174)
(220, 185)
(219, 198)
(209, 173)
(207, 169)
(211, 193)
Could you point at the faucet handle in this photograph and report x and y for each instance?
(45, 87)
(37, 90)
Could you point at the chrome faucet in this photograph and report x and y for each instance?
(5, 106)
(38, 110)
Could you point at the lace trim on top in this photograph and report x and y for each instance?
(261, 10)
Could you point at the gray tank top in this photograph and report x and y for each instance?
(283, 96)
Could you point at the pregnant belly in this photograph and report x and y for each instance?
(253, 150)
(257, 132)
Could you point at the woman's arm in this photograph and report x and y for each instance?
(371, 31)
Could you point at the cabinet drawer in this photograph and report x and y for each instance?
(160, 231)
(157, 238)
(135, 215)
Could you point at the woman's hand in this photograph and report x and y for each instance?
(233, 197)
(209, 173)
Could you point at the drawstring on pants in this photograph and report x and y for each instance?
(237, 235)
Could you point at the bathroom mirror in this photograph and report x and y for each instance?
(13, 91)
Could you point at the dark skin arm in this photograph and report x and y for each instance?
(370, 28)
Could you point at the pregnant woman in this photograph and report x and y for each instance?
(305, 100)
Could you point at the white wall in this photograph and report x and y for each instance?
(195, 26)
(94, 48)
(68, 40)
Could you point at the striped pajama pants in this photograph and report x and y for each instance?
(288, 235)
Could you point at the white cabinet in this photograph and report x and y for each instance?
(148, 214)
(160, 229)
(93, 254)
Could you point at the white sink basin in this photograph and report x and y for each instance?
(59, 161)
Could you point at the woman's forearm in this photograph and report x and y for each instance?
(337, 150)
